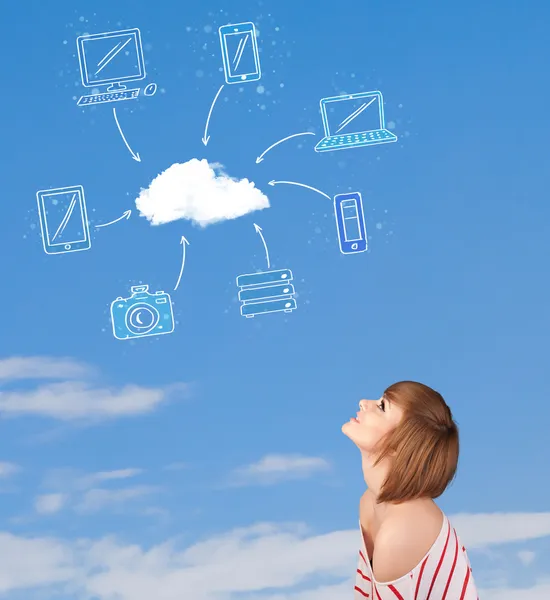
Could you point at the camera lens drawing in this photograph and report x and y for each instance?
(142, 314)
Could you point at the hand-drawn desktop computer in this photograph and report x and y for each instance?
(111, 59)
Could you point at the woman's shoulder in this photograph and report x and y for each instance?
(406, 535)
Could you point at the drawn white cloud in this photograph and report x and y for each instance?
(200, 192)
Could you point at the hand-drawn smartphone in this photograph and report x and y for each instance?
(241, 61)
(350, 222)
(63, 220)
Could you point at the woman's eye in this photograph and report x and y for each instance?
(382, 405)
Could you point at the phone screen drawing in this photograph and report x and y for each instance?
(350, 223)
(241, 60)
(63, 220)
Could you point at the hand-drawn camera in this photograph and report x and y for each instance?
(142, 314)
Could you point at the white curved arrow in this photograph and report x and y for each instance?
(259, 230)
(273, 182)
(125, 215)
(184, 243)
(261, 157)
(206, 137)
(135, 155)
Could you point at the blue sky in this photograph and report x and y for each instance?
(176, 461)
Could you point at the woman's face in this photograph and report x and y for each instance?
(374, 419)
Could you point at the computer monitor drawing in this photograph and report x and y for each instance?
(110, 59)
(353, 120)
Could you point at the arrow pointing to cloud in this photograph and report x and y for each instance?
(273, 182)
(135, 155)
(183, 242)
(261, 157)
(259, 231)
(125, 215)
(206, 137)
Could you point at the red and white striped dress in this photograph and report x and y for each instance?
(443, 574)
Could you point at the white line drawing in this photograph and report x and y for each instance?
(183, 242)
(63, 220)
(150, 89)
(206, 137)
(135, 155)
(266, 292)
(273, 182)
(261, 157)
(350, 223)
(259, 231)
(111, 59)
(241, 59)
(359, 116)
(125, 215)
(142, 314)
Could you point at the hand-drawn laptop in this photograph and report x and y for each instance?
(353, 120)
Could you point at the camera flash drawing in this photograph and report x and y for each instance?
(63, 220)
(142, 314)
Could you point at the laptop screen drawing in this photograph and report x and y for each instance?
(353, 115)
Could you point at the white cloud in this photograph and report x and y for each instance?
(200, 192)
(7, 469)
(526, 556)
(267, 561)
(74, 398)
(275, 468)
(480, 530)
(98, 499)
(48, 504)
(82, 494)
(16, 368)
(101, 476)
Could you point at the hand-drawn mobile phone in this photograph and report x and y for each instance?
(350, 222)
(241, 61)
(63, 220)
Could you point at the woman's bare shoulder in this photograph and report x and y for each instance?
(405, 536)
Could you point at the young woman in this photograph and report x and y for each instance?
(409, 449)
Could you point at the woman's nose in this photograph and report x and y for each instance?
(363, 405)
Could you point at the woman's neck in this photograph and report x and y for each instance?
(374, 476)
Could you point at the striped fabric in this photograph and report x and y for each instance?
(443, 574)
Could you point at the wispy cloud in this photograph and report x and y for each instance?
(98, 499)
(7, 469)
(17, 368)
(101, 476)
(82, 492)
(48, 504)
(76, 397)
(175, 466)
(480, 530)
(526, 556)
(265, 561)
(275, 468)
